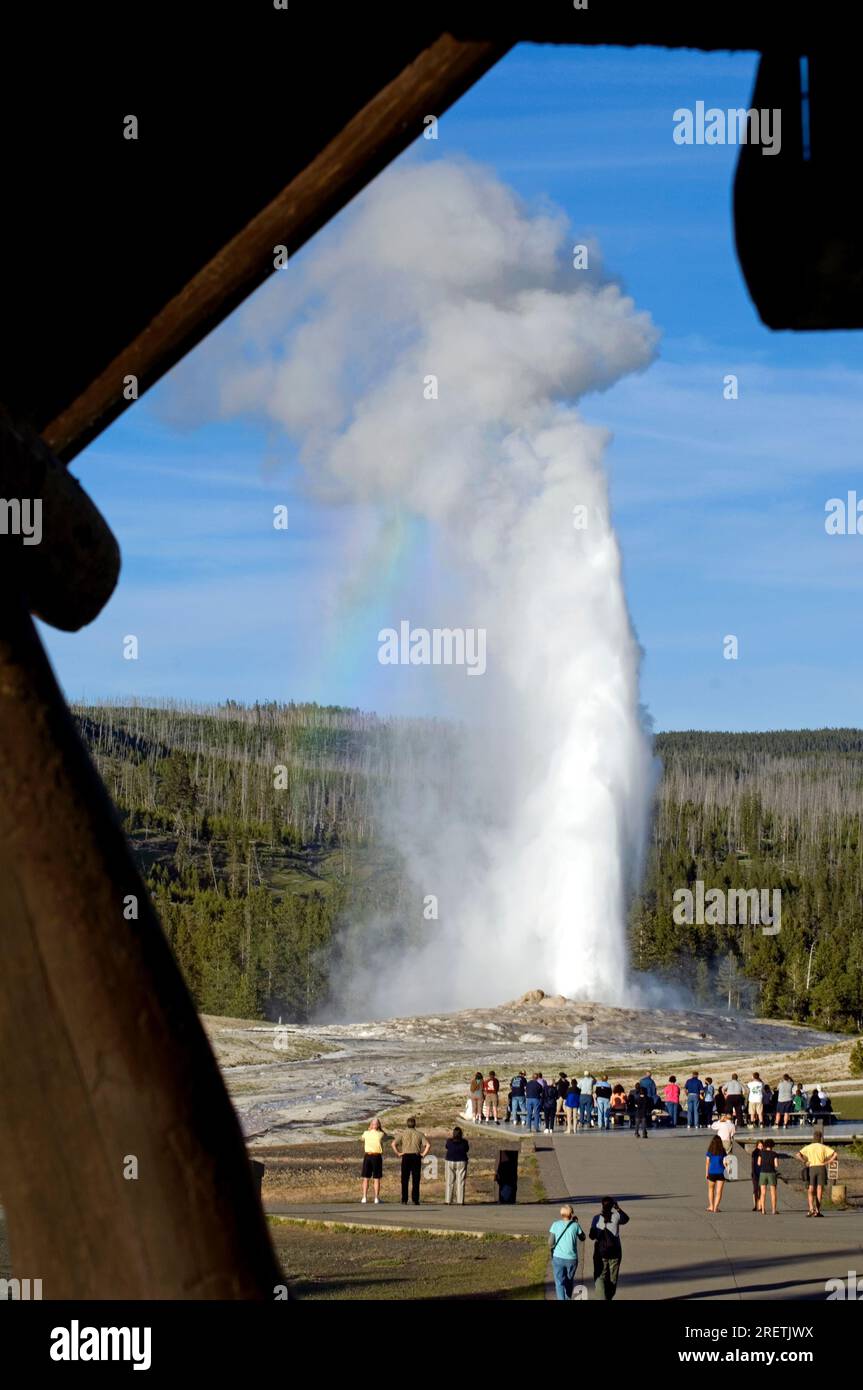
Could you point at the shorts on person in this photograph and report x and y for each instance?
(373, 1166)
(767, 1180)
(818, 1176)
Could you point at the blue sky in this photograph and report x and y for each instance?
(719, 505)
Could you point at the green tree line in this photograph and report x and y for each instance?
(257, 829)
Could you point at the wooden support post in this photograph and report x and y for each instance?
(105, 1069)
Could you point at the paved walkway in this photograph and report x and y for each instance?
(673, 1247)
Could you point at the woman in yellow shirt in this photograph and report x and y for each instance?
(373, 1160)
(816, 1156)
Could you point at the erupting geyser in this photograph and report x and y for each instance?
(436, 346)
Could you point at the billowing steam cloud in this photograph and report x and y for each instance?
(531, 834)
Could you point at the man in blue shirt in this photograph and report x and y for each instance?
(693, 1089)
(517, 1087)
(602, 1091)
(585, 1103)
(563, 1238)
(649, 1085)
(533, 1091)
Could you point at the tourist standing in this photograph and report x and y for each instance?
(631, 1103)
(643, 1107)
(533, 1092)
(585, 1105)
(734, 1097)
(455, 1166)
(784, 1097)
(563, 1238)
(607, 1250)
(756, 1100)
(672, 1101)
(373, 1161)
(768, 1177)
(476, 1096)
(491, 1088)
(602, 1091)
(816, 1156)
(411, 1146)
(714, 1169)
(570, 1107)
(706, 1111)
(562, 1092)
(693, 1089)
(756, 1174)
(549, 1105)
(769, 1102)
(649, 1085)
(519, 1087)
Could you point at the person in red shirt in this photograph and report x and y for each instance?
(672, 1100)
(491, 1087)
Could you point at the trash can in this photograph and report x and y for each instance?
(258, 1171)
(506, 1175)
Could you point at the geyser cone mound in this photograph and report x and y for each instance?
(579, 1030)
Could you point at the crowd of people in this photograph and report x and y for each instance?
(765, 1169)
(545, 1104)
(411, 1146)
(586, 1101)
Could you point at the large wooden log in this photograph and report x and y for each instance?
(66, 566)
(103, 1059)
(380, 130)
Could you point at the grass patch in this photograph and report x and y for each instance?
(850, 1107)
(529, 1169)
(344, 1262)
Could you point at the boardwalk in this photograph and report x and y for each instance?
(673, 1247)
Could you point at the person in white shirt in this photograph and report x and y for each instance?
(756, 1100)
(726, 1129)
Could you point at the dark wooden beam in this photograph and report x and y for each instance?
(366, 144)
(103, 1060)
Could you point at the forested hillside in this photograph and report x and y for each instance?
(767, 811)
(258, 832)
(254, 827)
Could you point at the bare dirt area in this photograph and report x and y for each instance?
(330, 1172)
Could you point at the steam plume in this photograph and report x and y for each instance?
(532, 834)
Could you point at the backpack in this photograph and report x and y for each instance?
(606, 1244)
